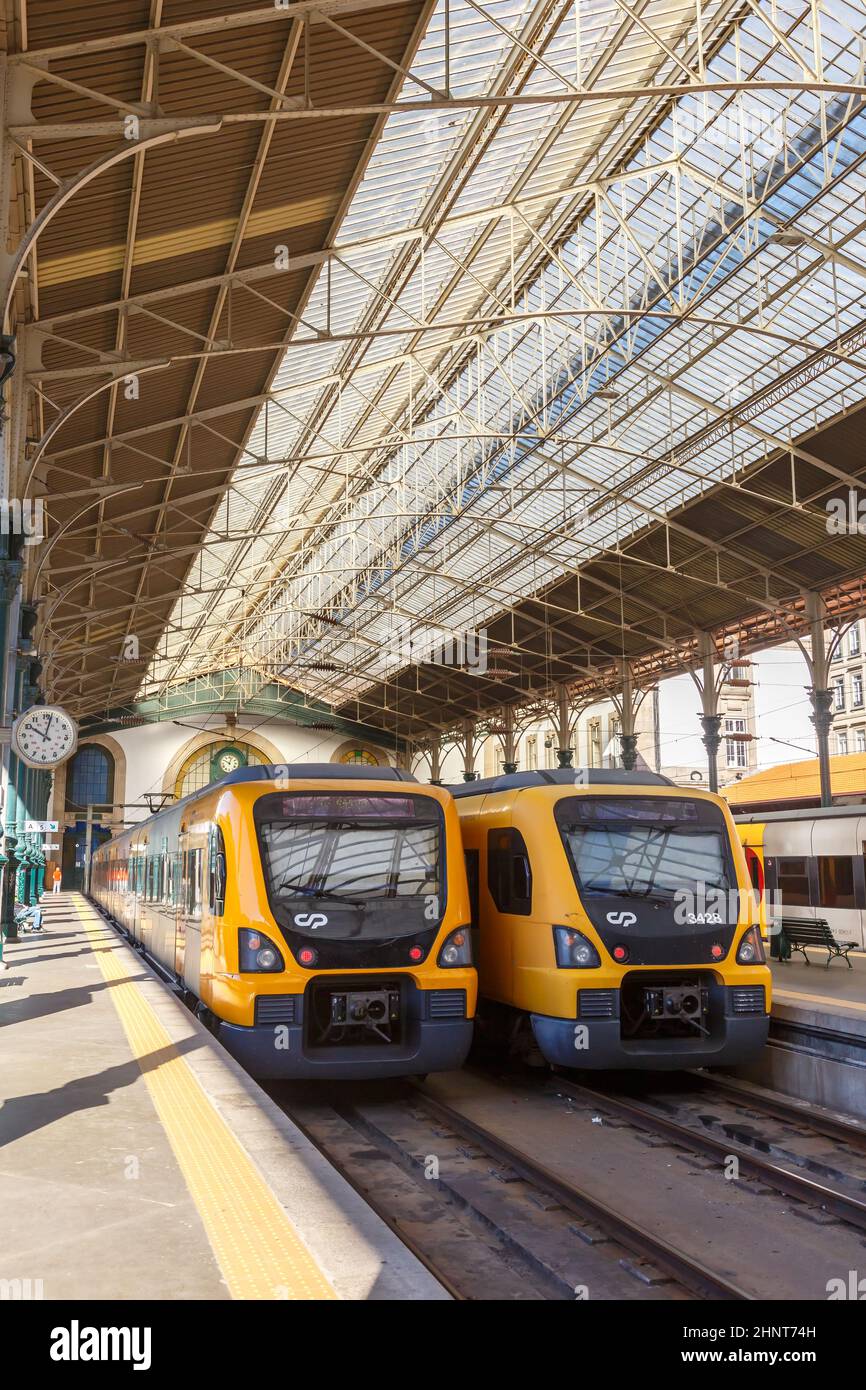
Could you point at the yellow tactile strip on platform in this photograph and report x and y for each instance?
(257, 1249)
(798, 996)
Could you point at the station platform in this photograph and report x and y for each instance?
(139, 1161)
(817, 1048)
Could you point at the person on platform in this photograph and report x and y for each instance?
(28, 917)
(55, 879)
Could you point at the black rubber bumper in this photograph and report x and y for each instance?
(593, 1045)
(279, 1053)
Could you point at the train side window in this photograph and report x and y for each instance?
(509, 877)
(793, 882)
(472, 880)
(836, 879)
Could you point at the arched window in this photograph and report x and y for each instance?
(90, 779)
(197, 771)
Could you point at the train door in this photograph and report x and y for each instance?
(181, 895)
(836, 847)
(214, 899)
(163, 915)
(145, 914)
(135, 889)
(470, 832)
(789, 868)
(194, 862)
(507, 883)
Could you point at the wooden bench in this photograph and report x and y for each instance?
(796, 935)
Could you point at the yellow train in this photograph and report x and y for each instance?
(614, 912)
(315, 915)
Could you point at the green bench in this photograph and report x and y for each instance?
(796, 935)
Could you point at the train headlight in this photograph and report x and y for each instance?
(456, 950)
(257, 953)
(574, 951)
(751, 949)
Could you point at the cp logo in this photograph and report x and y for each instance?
(616, 919)
(311, 920)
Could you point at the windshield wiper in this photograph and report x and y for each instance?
(646, 895)
(302, 888)
(340, 898)
(304, 891)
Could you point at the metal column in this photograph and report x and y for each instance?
(820, 694)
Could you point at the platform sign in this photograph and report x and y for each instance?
(41, 827)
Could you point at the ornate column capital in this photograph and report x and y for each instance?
(629, 751)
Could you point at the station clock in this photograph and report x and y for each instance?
(227, 760)
(44, 736)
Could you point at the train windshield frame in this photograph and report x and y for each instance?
(353, 865)
(645, 848)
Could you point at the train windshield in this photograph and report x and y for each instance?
(343, 865)
(644, 847)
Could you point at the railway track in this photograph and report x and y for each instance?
(848, 1207)
(688, 1271)
(507, 1189)
(394, 1219)
(786, 1109)
(495, 1218)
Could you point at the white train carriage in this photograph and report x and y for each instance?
(816, 861)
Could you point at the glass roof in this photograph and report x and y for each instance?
(543, 325)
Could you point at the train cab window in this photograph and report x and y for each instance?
(472, 880)
(509, 876)
(836, 880)
(793, 882)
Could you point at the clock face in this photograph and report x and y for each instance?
(229, 762)
(44, 736)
